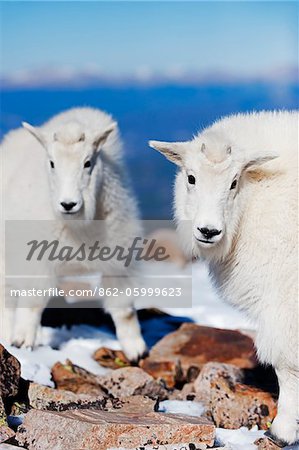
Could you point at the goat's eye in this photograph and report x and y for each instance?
(87, 164)
(191, 179)
(52, 164)
(234, 184)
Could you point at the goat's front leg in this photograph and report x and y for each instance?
(128, 332)
(284, 429)
(126, 322)
(25, 328)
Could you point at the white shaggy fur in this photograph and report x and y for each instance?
(34, 190)
(245, 187)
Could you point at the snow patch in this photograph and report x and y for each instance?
(187, 407)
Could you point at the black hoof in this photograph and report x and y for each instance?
(135, 362)
(279, 442)
(144, 354)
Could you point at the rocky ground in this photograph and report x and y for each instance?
(211, 370)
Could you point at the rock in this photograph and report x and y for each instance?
(266, 444)
(133, 404)
(113, 359)
(101, 430)
(44, 397)
(5, 432)
(119, 383)
(236, 405)
(130, 381)
(70, 377)
(186, 393)
(228, 402)
(210, 373)
(9, 447)
(180, 355)
(10, 373)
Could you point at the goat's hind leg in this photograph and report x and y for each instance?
(285, 428)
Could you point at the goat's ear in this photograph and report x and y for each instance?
(258, 161)
(174, 151)
(102, 137)
(36, 133)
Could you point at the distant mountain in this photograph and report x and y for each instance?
(166, 112)
(92, 76)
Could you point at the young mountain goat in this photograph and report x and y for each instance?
(71, 171)
(238, 185)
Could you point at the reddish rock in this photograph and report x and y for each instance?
(94, 430)
(113, 359)
(70, 377)
(234, 406)
(180, 355)
(229, 403)
(6, 433)
(10, 373)
(134, 404)
(266, 444)
(132, 381)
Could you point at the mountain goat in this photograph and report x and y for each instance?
(71, 171)
(238, 185)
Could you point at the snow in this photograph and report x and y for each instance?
(242, 439)
(76, 344)
(186, 407)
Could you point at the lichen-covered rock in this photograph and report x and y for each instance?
(210, 373)
(44, 397)
(266, 444)
(228, 402)
(119, 383)
(70, 377)
(94, 430)
(180, 355)
(186, 393)
(113, 359)
(130, 381)
(236, 405)
(10, 373)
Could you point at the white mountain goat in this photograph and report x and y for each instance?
(68, 169)
(238, 185)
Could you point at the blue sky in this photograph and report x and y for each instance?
(121, 38)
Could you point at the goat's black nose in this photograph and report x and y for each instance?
(209, 233)
(68, 206)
